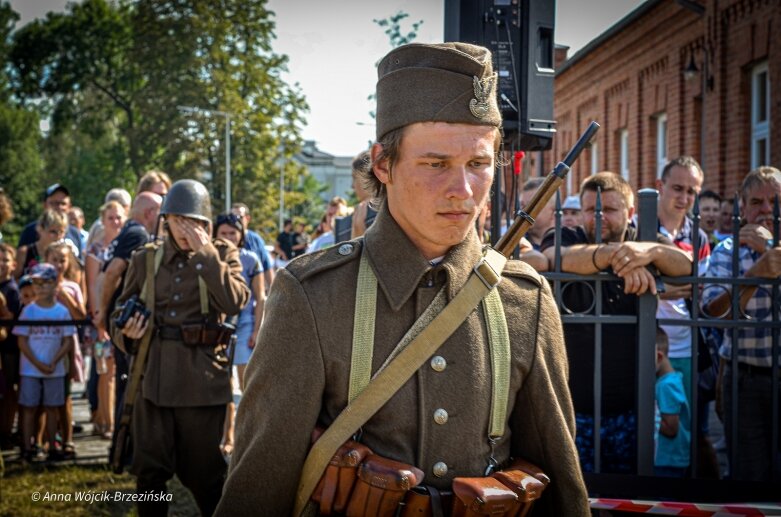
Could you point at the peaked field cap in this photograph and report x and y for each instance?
(440, 82)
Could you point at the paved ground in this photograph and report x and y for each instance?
(89, 448)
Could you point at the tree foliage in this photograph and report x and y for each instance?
(397, 36)
(20, 163)
(111, 76)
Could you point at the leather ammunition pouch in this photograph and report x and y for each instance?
(358, 482)
(335, 487)
(483, 496)
(194, 334)
(381, 486)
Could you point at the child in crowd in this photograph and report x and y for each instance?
(672, 414)
(69, 294)
(9, 350)
(42, 369)
(26, 290)
(51, 227)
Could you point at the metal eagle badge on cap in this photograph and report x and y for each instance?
(479, 106)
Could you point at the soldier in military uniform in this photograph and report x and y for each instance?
(438, 134)
(178, 416)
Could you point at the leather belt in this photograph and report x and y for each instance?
(169, 333)
(427, 501)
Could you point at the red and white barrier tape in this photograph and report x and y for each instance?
(685, 509)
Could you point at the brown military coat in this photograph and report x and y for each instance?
(178, 375)
(298, 375)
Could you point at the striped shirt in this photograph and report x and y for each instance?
(754, 344)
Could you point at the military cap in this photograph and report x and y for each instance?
(443, 82)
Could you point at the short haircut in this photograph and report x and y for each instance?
(150, 178)
(763, 175)
(682, 161)
(662, 341)
(78, 211)
(52, 219)
(607, 181)
(391, 146)
(362, 164)
(240, 206)
(108, 205)
(709, 194)
(120, 195)
(10, 250)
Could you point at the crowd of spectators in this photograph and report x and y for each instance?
(60, 270)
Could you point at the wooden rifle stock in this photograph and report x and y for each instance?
(524, 219)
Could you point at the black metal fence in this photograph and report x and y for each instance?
(642, 483)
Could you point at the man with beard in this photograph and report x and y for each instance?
(619, 253)
(758, 258)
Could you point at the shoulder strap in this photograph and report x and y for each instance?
(137, 369)
(486, 275)
(363, 342)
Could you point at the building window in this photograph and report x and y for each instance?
(623, 139)
(760, 116)
(661, 143)
(594, 158)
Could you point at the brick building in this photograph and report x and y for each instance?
(675, 77)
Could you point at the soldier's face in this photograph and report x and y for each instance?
(439, 183)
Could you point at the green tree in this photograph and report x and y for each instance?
(397, 36)
(20, 161)
(111, 75)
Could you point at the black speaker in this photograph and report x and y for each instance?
(519, 34)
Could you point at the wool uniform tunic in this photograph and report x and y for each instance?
(178, 375)
(179, 413)
(299, 374)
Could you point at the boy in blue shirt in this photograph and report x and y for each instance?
(672, 415)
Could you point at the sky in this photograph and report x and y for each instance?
(333, 46)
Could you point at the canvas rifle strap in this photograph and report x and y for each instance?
(484, 278)
(153, 260)
(363, 342)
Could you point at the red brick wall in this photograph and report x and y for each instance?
(638, 73)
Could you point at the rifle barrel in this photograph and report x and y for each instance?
(524, 219)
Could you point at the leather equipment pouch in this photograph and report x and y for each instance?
(531, 469)
(334, 489)
(527, 487)
(475, 497)
(381, 486)
(191, 333)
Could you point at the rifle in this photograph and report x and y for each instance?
(524, 219)
(122, 443)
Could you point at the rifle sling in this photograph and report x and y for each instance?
(139, 361)
(486, 275)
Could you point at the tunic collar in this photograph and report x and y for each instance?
(400, 267)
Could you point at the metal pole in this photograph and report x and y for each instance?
(227, 162)
(703, 131)
(282, 189)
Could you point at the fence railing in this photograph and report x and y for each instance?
(642, 483)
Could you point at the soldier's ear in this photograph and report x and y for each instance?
(380, 165)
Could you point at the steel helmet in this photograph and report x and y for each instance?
(188, 198)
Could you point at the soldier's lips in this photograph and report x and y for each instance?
(456, 215)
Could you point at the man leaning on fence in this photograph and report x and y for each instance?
(618, 253)
(757, 258)
(432, 170)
